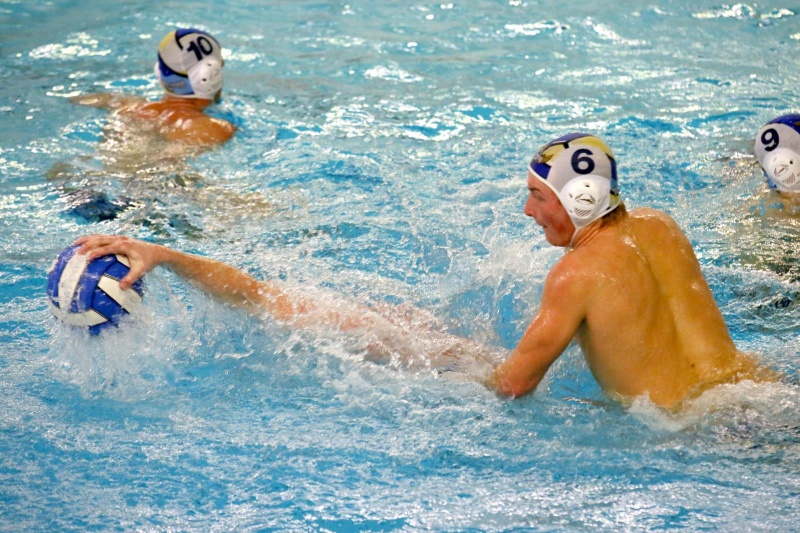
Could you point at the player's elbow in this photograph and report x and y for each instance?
(510, 388)
(516, 390)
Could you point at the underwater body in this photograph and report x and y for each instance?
(381, 155)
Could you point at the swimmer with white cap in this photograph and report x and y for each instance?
(777, 148)
(771, 240)
(190, 65)
(189, 68)
(629, 290)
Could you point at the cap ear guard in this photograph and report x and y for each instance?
(585, 199)
(782, 167)
(206, 78)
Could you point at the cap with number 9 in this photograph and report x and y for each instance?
(777, 148)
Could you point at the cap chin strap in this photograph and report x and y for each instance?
(586, 198)
(782, 167)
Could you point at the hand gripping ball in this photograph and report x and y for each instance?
(87, 294)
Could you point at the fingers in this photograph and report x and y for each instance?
(130, 278)
(98, 240)
(94, 246)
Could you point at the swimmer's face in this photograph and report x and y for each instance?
(545, 208)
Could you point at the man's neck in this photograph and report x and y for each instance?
(587, 234)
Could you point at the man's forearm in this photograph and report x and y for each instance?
(231, 285)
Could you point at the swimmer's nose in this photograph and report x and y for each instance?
(529, 207)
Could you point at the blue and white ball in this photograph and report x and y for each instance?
(87, 294)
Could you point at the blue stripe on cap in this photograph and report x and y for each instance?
(540, 169)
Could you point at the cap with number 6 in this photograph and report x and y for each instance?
(581, 170)
(190, 64)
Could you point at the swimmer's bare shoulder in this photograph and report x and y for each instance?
(176, 122)
(106, 100)
(182, 123)
(200, 130)
(657, 227)
(653, 215)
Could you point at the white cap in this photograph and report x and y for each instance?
(581, 170)
(777, 148)
(190, 64)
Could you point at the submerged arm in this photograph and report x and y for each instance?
(105, 100)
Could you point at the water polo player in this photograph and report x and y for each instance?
(629, 289)
(777, 148)
(189, 68)
(773, 238)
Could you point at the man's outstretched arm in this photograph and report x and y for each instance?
(394, 332)
(220, 280)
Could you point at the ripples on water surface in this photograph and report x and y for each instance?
(381, 155)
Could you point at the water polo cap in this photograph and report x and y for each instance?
(777, 148)
(190, 64)
(581, 170)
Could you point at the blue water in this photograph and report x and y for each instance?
(381, 156)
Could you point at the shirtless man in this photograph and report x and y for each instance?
(189, 68)
(629, 289)
(146, 145)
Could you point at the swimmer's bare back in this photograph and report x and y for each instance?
(176, 119)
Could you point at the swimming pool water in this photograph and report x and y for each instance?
(381, 155)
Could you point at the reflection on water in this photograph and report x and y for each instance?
(137, 176)
(770, 235)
